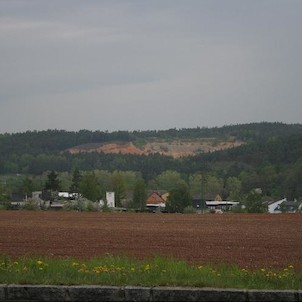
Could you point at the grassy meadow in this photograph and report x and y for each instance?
(155, 271)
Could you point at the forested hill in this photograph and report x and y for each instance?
(49, 141)
(34, 152)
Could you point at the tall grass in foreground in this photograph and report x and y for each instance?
(150, 272)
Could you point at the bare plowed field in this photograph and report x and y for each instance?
(245, 239)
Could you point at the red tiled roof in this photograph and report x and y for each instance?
(154, 198)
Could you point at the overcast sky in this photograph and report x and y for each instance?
(142, 64)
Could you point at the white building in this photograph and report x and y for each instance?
(274, 206)
(110, 200)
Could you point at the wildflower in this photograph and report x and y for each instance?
(200, 267)
(83, 270)
(262, 270)
(291, 266)
(39, 262)
(147, 267)
(74, 264)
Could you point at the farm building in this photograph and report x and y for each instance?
(157, 201)
(284, 205)
(221, 206)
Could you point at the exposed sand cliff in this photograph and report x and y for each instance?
(174, 148)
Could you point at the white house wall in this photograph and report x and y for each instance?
(273, 206)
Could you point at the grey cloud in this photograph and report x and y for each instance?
(120, 64)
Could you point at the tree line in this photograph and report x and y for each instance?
(271, 159)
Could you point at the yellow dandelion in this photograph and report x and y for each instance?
(39, 262)
(291, 266)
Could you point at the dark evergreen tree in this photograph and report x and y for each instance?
(139, 195)
(52, 183)
(89, 187)
(76, 181)
(118, 187)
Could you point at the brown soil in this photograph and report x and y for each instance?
(176, 148)
(260, 240)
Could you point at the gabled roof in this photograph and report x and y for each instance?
(165, 196)
(292, 203)
(17, 197)
(155, 198)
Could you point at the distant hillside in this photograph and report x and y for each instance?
(35, 142)
(185, 150)
(169, 147)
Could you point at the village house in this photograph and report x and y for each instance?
(18, 200)
(156, 201)
(284, 206)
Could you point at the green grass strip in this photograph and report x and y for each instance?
(156, 271)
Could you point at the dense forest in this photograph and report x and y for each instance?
(270, 159)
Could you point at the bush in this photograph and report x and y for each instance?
(91, 206)
(189, 210)
(5, 205)
(30, 205)
(237, 209)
